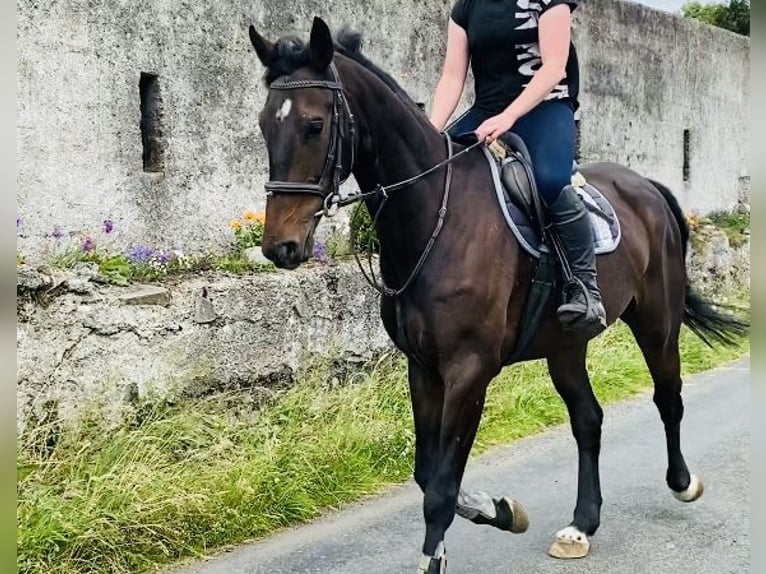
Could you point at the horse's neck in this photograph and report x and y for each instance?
(396, 142)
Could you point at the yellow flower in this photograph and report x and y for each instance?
(254, 217)
(693, 221)
(236, 225)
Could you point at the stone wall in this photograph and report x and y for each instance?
(647, 77)
(79, 107)
(657, 84)
(80, 341)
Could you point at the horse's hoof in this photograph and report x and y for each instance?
(692, 492)
(436, 564)
(519, 517)
(502, 513)
(570, 543)
(430, 565)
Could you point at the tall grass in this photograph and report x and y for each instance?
(181, 480)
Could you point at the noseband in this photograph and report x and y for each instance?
(341, 132)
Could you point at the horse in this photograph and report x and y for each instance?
(460, 278)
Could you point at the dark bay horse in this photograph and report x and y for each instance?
(329, 113)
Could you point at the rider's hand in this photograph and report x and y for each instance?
(494, 127)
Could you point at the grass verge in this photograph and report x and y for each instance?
(182, 480)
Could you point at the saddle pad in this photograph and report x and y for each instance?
(603, 220)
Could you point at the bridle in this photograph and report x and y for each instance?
(341, 132)
(344, 132)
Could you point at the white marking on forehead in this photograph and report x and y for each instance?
(284, 111)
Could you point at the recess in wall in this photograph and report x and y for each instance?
(152, 138)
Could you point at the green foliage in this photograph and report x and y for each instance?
(734, 17)
(338, 245)
(733, 224)
(248, 231)
(179, 480)
(144, 263)
(364, 237)
(118, 269)
(234, 264)
(73, 255)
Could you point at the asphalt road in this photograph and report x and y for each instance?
(643, 528)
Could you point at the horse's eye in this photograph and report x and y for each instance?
(314, 127)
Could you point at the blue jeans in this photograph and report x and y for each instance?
(549, 132)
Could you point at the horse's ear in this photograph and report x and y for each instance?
(321, 45)
(262, 46)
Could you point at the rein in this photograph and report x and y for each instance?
(333, 201)
(384, 190)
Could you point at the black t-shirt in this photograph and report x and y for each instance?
(504, 48)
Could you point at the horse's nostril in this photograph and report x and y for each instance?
(288, 255)
(290, 249)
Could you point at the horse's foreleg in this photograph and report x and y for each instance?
(465, 384)
(570, 377)
(427, 394)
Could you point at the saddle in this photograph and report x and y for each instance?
(516, 175)
(522, 207)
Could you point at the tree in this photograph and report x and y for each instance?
(735, 16)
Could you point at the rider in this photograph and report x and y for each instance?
(526, 81)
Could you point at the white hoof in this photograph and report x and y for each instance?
(436, 564)
(692, 492)
(569, 543)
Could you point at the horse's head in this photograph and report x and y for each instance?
(308, 129)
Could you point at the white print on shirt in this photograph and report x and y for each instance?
(560, 91)
(528, 11)
(529, 58)
(530, 62)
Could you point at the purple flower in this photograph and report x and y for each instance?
(19, 226)
(164, 258)
(88, 245)
(108, 226)
(140, 254)
(320, 254)
(58, 233)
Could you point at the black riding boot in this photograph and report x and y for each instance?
(582, 309)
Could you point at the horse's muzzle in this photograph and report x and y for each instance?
(285, 255)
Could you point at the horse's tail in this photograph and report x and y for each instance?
(700, 315)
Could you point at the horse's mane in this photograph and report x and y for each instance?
(349, 43)
(291, 53)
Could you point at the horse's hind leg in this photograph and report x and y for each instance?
(657, 336)
(570, 377)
